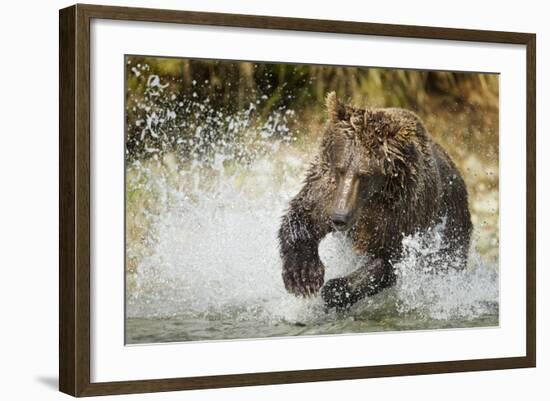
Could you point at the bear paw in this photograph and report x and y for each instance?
(337, 293)
(305, 280)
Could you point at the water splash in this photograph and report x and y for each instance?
(207, 211)
(215, 252)
(431, 285)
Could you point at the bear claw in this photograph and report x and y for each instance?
(304, 282)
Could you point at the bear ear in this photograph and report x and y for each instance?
(335, 109)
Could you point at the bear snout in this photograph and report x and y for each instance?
(340, 221)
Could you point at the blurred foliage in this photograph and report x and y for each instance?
(184, 109)
(167, 97)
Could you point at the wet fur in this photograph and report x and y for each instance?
(420, 186)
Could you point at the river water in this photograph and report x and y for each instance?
(212, 270)
(202, 260)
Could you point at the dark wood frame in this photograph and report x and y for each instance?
(74, 199)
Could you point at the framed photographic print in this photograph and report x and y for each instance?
(251, 200)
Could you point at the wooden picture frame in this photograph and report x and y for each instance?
(74, 200)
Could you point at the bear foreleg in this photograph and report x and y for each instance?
(299, 236)
(369, 279)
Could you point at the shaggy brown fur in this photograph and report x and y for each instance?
(379, 177)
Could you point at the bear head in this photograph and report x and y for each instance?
(369, 153)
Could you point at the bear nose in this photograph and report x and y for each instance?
(340, 220)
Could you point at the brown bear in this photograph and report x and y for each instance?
(378, 177)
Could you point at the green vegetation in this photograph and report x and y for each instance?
(230, 87)
(179, 110)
